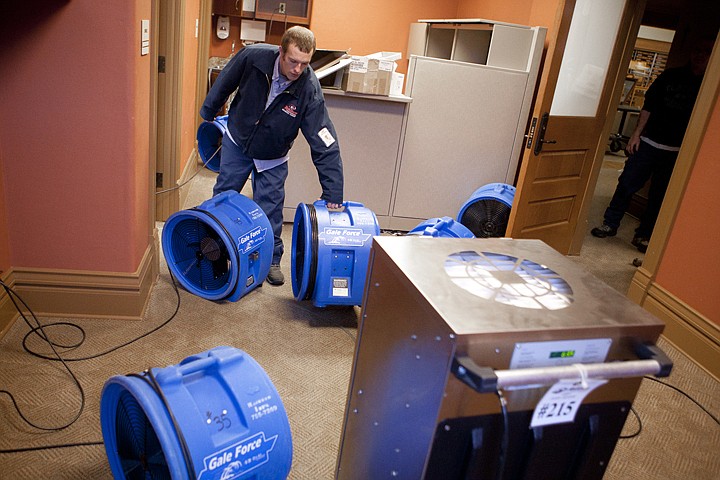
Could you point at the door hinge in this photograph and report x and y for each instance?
(158, 180)
(161, 64)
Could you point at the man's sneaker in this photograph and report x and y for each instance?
(604, 231)
(641, 243)
(275, 275)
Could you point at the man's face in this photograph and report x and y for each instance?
(700, 56)
(293, 62)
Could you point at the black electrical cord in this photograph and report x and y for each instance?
(715, 419)
(149, 377)
(639, 428)
(272, 14)
(639, 421)
(97, 355)
(193, 175)
(39, 330)
(505, 442)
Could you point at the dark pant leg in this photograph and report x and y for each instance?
(637, 171)
(269, 194)
(235, 168)
(663, 166)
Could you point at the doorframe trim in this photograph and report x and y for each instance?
(172, 18)
(644, 289)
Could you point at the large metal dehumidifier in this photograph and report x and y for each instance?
(463, 346)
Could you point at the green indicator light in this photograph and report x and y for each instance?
(563, 354)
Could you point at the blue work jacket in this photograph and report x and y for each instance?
(267, 134)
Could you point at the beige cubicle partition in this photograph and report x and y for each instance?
(459, 127)
(369, 130)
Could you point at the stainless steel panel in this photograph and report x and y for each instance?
(420, 311)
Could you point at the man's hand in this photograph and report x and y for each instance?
(332, 206)
(634, 141)
(633, 144)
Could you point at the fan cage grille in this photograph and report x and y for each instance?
(200, 255)
(486, 218)
(139, 450)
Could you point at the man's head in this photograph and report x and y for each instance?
(700, 54)
(296, 50)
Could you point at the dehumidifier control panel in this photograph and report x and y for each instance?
(559, 352)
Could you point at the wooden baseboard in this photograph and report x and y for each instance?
(84, 294)
(692, 333)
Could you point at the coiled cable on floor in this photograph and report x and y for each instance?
(40, 330)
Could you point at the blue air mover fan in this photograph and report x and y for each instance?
(442, 227)
(216, 415)
(330, 251)
(221, 249)
(209, 138)
(487, 211)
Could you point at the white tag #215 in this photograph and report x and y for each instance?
(561, 402)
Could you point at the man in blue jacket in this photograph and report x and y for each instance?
(277, 96)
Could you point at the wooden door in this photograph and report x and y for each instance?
(569, 127)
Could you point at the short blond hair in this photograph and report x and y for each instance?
(299, 36)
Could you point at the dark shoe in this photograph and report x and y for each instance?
(275, 275)
(604, 231)
(641, 243)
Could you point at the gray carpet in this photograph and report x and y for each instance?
(307, 353)
(610, 259)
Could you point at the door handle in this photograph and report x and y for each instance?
(541, 134)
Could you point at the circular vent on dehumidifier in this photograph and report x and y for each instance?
(487, 211)
(221, 249)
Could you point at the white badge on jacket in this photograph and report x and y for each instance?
(326, 137)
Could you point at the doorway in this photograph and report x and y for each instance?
(614, 259)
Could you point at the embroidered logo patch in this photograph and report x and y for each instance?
(290, 109)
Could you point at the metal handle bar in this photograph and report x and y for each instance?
(484, 380)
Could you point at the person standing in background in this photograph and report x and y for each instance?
(654, 144)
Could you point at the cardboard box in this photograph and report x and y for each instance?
(397, 83)
(369, 75)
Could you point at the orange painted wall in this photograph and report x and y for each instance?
(691, 262)
(371, 26)
(540, 13)
(74, 129)
(511, 11)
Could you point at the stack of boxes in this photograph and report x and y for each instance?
(374, 74)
